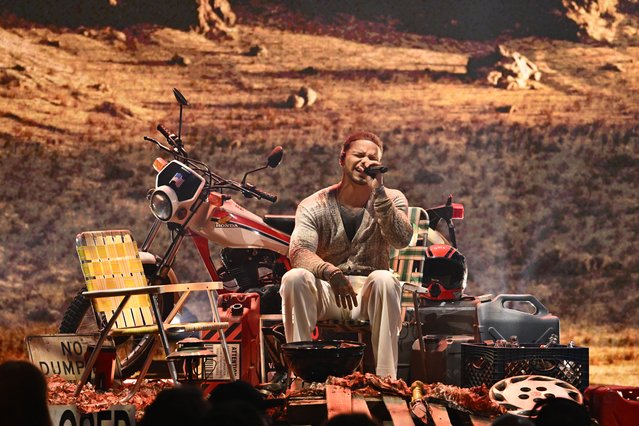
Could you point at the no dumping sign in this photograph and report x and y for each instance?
(61, 354)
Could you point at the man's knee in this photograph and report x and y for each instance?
(382, 278)
(295, 278)
(384, 284)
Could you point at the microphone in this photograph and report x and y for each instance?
(374, 170)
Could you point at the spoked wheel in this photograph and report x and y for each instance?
(131, 351)
(519, 394)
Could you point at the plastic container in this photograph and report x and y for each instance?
(520, 315)
(613, 405)
(483, 364)
(441, 362)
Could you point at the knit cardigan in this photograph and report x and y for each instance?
(319, 242)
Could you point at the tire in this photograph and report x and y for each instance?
(79, 319)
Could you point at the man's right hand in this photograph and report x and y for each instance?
(344, 293)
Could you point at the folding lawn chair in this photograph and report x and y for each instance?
(124, 305)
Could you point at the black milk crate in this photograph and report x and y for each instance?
(483, 364)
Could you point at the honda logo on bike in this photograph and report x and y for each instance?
(177, 180)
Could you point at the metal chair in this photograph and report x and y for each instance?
(124, 305)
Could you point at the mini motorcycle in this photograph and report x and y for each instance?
(193, 201)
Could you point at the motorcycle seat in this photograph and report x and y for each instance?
(281, 222)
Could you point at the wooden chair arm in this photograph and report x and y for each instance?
(130, 291)
(154, 289)
(176, 288)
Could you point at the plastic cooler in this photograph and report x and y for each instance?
(613, 405)
(521, 315)
(483, 364)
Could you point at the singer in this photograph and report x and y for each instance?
(340, 253)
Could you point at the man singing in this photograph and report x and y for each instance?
(340, 254)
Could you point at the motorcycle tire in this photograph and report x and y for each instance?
(78, 318)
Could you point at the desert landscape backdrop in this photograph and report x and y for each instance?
(548, 173)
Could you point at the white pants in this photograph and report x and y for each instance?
(306, 299)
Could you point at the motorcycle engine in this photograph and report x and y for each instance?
(249, 267)
(255, 270)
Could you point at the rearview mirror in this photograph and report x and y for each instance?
(180, 98)
(275, 157)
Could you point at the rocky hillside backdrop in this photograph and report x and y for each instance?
(537, 138)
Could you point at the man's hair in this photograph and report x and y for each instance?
(367, 136)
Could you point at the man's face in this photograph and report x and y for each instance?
(360, 155)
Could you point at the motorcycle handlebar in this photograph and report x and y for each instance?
(146, 138)
(268, 197)
(250, 190)
(165, 132)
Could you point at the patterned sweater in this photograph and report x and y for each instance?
(319, 239)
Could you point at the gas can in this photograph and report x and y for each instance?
(242, 312)
(613, 405)
(520, 315)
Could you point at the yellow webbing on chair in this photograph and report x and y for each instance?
(110, 260)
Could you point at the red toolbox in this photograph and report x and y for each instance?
(613, 405)
(242, 312)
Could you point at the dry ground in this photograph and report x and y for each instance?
(549, 187)
(56, 84)
(613, 352)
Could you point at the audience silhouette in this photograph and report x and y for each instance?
(560, 412)
(23, 395)
(184, 405)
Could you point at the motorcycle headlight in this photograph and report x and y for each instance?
(163, 202)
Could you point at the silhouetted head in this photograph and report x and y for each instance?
(235, 413)
(23, 395)
(560, 412)
(184, 405)
(239, 391)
